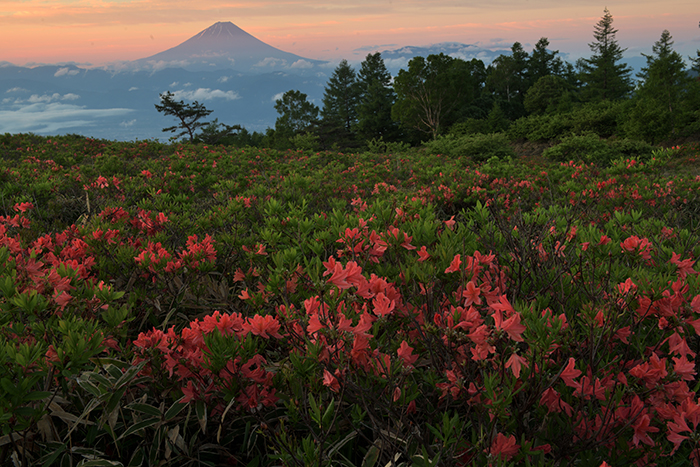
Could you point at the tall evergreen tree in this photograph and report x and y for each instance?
(602, 76)
(340, 98)
(664, 79)
(543, 62)
(376, 99)
(660, 102)
(696, 64)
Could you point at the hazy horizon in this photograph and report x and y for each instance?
(101, 32)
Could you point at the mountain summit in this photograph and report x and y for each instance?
(224, 45)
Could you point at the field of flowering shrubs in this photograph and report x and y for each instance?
(191, 305)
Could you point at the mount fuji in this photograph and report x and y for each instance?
(224, 45)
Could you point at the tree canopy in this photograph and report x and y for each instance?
(340, 98)
(376, 99)
(603, 76)
(189, 115)
(296, 114)
(433, 90)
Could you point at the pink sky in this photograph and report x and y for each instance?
(101, 31)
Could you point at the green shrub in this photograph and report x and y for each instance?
(601, 118)
(586, 148)
(591, 148)
(470, 126)
(649, 122)
(539, 127)
(478, 147)
(632, 148)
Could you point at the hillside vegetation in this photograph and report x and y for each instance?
(456, 304)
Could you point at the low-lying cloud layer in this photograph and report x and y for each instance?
(205, 94)
(52, 117)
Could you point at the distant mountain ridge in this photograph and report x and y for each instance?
(224, 45)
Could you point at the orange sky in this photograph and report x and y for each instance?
(101, 31)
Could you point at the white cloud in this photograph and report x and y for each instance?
(223, 79)
(47, 98)
(126, 124)
(301, 63)
(277, 96)
(204, 94)
(66, 71)
(271, 62)
(41, 117)
(133, 88)
(35, 98)
(173, 84)
(17, 89)
(162, 64)
(401, 62)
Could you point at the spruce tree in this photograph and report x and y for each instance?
(661, 97)
(542, 62)
(664, 79)
(376, 99)
(340, 98)
(602, 76)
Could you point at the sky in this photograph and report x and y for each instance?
(98, 32)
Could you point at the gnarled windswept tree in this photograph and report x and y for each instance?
(189, 115)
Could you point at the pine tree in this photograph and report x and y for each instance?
(660, 105)
(664, 79)
(189, 115)
(376, 99)
(542, 62)
(603, 77)
(696, 64)
(340, 98)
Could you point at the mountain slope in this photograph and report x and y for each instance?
(226, 46)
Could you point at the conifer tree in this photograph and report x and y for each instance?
(660, 102)
(376, 99)
(188, 115)
(340, 98)
(664, 79)
(602, 76)
(542, 62)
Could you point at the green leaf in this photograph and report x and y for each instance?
(175, 409)
(140, 426)
(114, 400)
(100, 463)
(54, 455)
(137, 459)
(200, 409)
(371, 457)
(146, 408)
(328, 415)
(88, 386)
(37, 396)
